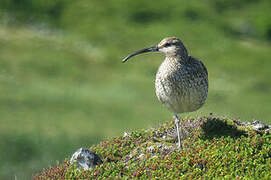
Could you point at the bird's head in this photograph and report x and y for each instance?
(170, 46)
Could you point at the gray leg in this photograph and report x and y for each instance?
(177, 121)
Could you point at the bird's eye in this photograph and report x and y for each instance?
(167, 44)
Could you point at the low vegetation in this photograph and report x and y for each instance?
(214, 147)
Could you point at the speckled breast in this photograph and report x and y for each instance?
(182, 86)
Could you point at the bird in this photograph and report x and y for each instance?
(181, 82)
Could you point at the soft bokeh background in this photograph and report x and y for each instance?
(63, 86)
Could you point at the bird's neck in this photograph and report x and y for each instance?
(176, 58)
(178, 55)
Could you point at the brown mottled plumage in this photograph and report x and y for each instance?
(181, 81)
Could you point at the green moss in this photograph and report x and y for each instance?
(217, 147)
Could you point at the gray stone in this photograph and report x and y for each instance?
(258, 125)
(85, 159)
(255, 125)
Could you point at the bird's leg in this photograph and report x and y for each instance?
(177, 122)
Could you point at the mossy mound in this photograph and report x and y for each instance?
(212, 147)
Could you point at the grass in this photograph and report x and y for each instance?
(63, 83)
(216, 148)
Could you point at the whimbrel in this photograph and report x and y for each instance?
(181, 82)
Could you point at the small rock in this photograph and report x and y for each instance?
(165, 148)
(241, 123)
(125, 134)
(151, 148)
(268, 131)
(85, 159)
(246, 124)
(141, 156)
(159, 146)
(258, 125)
(255, 125)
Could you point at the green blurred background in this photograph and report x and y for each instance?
(63, 86)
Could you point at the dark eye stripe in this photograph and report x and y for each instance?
(171, 44)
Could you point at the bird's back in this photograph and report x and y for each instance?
(182, 86)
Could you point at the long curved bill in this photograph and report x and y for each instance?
(150, 49)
